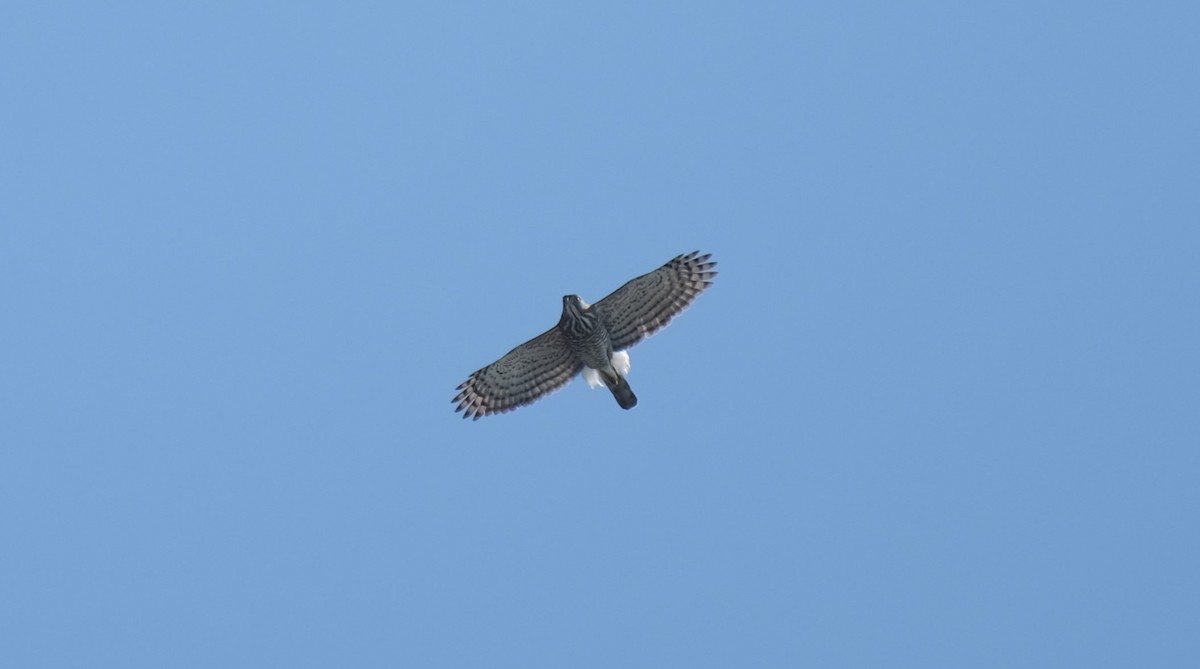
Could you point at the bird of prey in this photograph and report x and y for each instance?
(588, 338)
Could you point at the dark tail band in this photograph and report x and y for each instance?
(621, 390)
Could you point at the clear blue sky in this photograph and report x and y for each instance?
(939, 410)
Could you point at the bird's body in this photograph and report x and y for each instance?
(588, 338)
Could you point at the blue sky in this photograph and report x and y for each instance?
(939, 409)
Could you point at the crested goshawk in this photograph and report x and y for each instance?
(591, 338)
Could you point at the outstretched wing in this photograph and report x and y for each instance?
(523, 375)
(642, 306)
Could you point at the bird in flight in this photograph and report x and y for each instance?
(588, 338)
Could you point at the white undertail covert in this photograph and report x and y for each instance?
(620, 362)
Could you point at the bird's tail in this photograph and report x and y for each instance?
(620, 390)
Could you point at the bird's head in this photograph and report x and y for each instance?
(574, 301)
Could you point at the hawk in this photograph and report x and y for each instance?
(588, 338)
